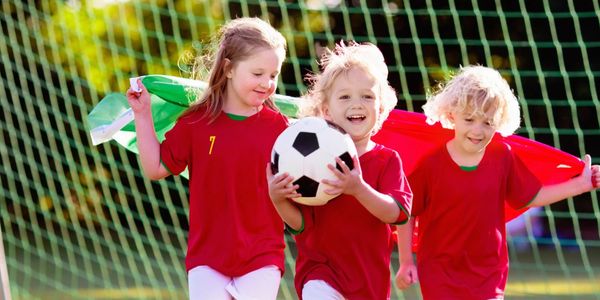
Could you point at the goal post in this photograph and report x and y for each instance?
(5, 290)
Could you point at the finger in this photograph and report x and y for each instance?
(293, 196)
(269, 171)
(596, 176)
(335, 170)
(333, 187)
(332, 192)
(343, 165)
(587, 159)
(131, 92)
(141, 85)
(412, 278)
(287, 181)
(289, 190)
(283, 179)
(332, 183)
(405, 281)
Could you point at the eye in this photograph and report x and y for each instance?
(344, 97)
(369, 97)
(468, 120)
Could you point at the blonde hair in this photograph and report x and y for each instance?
(236, 41)
(340, 61)
(474, 90)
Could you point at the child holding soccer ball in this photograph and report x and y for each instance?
(344, 246)
(460, 190)
(235, 242)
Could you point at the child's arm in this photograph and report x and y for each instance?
(407, 273)
(281, 192)
(350, 182)
(148, 145)
(588, 180)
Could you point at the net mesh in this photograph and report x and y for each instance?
(80, 222)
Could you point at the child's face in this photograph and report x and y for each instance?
(353, 103)
(472, 133)
(252, 81)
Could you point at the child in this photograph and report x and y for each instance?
(235, 242)
(344, 246)
(460, 190)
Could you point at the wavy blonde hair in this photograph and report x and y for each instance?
(474, 90)
(340, 61)
(236, 41)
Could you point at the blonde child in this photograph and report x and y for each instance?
(344, 246)
(235, 242)
(460, 190)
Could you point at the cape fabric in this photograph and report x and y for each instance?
(403, 131)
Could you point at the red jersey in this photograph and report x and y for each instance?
(462, 250)
(344, 244)
(234, 227)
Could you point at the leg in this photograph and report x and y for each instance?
(319, 289)
(261, 284)
(205, 283)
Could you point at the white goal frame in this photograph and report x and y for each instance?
(5, 288)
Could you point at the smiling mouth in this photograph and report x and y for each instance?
(356, 118)
(475, 141)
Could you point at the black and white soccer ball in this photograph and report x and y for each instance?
(305, 149)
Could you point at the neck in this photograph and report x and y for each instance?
(363, 146)
(463, 158)
(241, 111)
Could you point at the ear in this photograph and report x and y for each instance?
(325, 112)
(450, 117)
(227, 68)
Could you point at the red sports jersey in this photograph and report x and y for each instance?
(462, 250)
(344, 244)
(234, 227)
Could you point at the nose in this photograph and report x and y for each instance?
(356, 102)
(478, 129)
(267, 83)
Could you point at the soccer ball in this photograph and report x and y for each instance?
(305, 149)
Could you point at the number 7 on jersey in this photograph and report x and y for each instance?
(212, 139)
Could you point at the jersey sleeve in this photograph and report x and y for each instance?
(394, 183)
(522, 184)
(175, 150)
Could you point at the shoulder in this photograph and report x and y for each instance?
(380, 149)
(200, 115)
(274, 116)
(382, 153)
(435, 155)
(500, 149)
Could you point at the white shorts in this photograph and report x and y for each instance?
(320, 290)
(206, 283)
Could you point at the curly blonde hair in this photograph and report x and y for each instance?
(475, 90)
(340, 61)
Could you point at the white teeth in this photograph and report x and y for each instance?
(356, 117)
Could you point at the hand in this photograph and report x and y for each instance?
(139, 101)
(595, 175)
(407, 275)
(280, 186)
(348, 181)
(590, 174)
